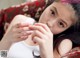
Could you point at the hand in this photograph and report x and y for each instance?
(44, 37)
(17, 33)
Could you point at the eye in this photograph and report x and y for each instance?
(61, 24)
(52, 12)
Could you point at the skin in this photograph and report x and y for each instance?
(51, 22)
(56, 24)
(58, 16)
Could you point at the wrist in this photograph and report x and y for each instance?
(47, 53)
(5, 44)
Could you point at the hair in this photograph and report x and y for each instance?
(49, 2)
(73, 33)
(76, 26)
(76, 7)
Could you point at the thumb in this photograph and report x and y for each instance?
(37, 40)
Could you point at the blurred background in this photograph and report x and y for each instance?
(8, 3)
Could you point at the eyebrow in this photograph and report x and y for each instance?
(55, 9)
(57, 14)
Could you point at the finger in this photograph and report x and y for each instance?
(44, 26)
(24, 25)
(20, 25)
(24, 37)
(20, 39)
(37, 40)
(39, 28)
(38, 34)
(23, 29)
(26, 33)
(16, 25)
(23, 34)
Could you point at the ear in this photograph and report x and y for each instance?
(6, 25)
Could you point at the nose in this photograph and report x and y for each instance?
(52, 22)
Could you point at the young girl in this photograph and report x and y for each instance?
(52, 21)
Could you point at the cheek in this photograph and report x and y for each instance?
(57, 30)
(45, 16)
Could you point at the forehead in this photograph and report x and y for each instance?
(65, 11)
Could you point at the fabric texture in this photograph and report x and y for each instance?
(31, 9)
(23, 50)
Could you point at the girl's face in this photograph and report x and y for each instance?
(58, 17)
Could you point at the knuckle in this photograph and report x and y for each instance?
(36, 31)
(20, 29)
(38, 27)
(44, 25)
(13, 30)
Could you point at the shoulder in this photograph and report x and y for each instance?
(17, 45)
(19, 50)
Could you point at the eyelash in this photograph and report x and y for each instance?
(61, 24)
(52, 12)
